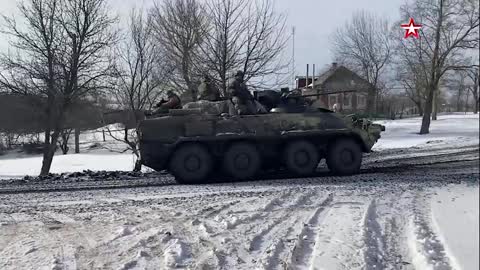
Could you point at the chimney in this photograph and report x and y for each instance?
(306, 79)
(334, 65)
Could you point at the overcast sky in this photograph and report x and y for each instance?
(314, 20)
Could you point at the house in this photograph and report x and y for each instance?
(301, 81)
(348, 90)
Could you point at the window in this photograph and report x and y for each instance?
(361, 100)
(332, 99)
(346, 99)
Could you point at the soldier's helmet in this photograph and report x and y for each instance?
(239, 74)
(170, 93)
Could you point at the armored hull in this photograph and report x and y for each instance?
(192, 145)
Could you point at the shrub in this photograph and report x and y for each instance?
(33, 148)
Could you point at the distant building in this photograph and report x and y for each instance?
(338, 79)
(301, 81)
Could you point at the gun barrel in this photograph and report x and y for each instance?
(328, 93)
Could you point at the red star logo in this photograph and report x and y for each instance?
(411, 29)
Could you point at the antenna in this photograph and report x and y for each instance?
(293, 57)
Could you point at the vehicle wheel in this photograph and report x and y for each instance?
(301, 157)
(241, 161)
(191, 164)
(344, 157)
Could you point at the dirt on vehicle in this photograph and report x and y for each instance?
(192, 144)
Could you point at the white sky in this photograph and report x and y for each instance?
(314, 20)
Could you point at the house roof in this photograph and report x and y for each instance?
(325, 76)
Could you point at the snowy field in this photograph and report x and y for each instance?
(95, 154)
(449, 130)
(414, 206)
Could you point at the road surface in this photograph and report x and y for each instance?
(408, 209)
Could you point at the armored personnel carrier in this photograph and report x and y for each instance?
(193, 144)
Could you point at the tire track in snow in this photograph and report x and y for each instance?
(221, 207)
(42, 246)
(259, 212)
(374, 239)
(277, 244)
(427, 250)
(65, 258)
(393, 214)
(303, 250)
(227, 226)
(9, 238)
(275, 222)
(278, 224)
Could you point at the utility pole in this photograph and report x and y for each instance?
(293, 57)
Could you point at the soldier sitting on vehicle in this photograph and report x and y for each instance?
(208, 91)
(173, 102)
(242, 99)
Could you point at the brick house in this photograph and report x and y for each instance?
(337, 79)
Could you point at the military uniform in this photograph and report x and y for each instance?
(173, 102)
(242, 99)
(207, 91)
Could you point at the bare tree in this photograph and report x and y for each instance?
(265, 41)
(460, 89)
(64, 139)
(179, 28)
(222, 48)
(409, 76)
(141, 70)
(60, 55)
(449, 28)
(246, 35)
(473, 74)
(364, 45)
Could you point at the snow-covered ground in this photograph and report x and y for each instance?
(453, 208)
(416, 219)
(414, 206)
(449, 130)
(95, 154)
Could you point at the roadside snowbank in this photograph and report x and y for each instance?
(15, 167)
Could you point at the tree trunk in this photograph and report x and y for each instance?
(435, 105)
(475, 111)
(186, 75)
(56, 120)
(459, 103)
(48, 153)
(371, 102)
(138, 165)
(77, 140)
(425, 129)
(434, 73)
(466, 103)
